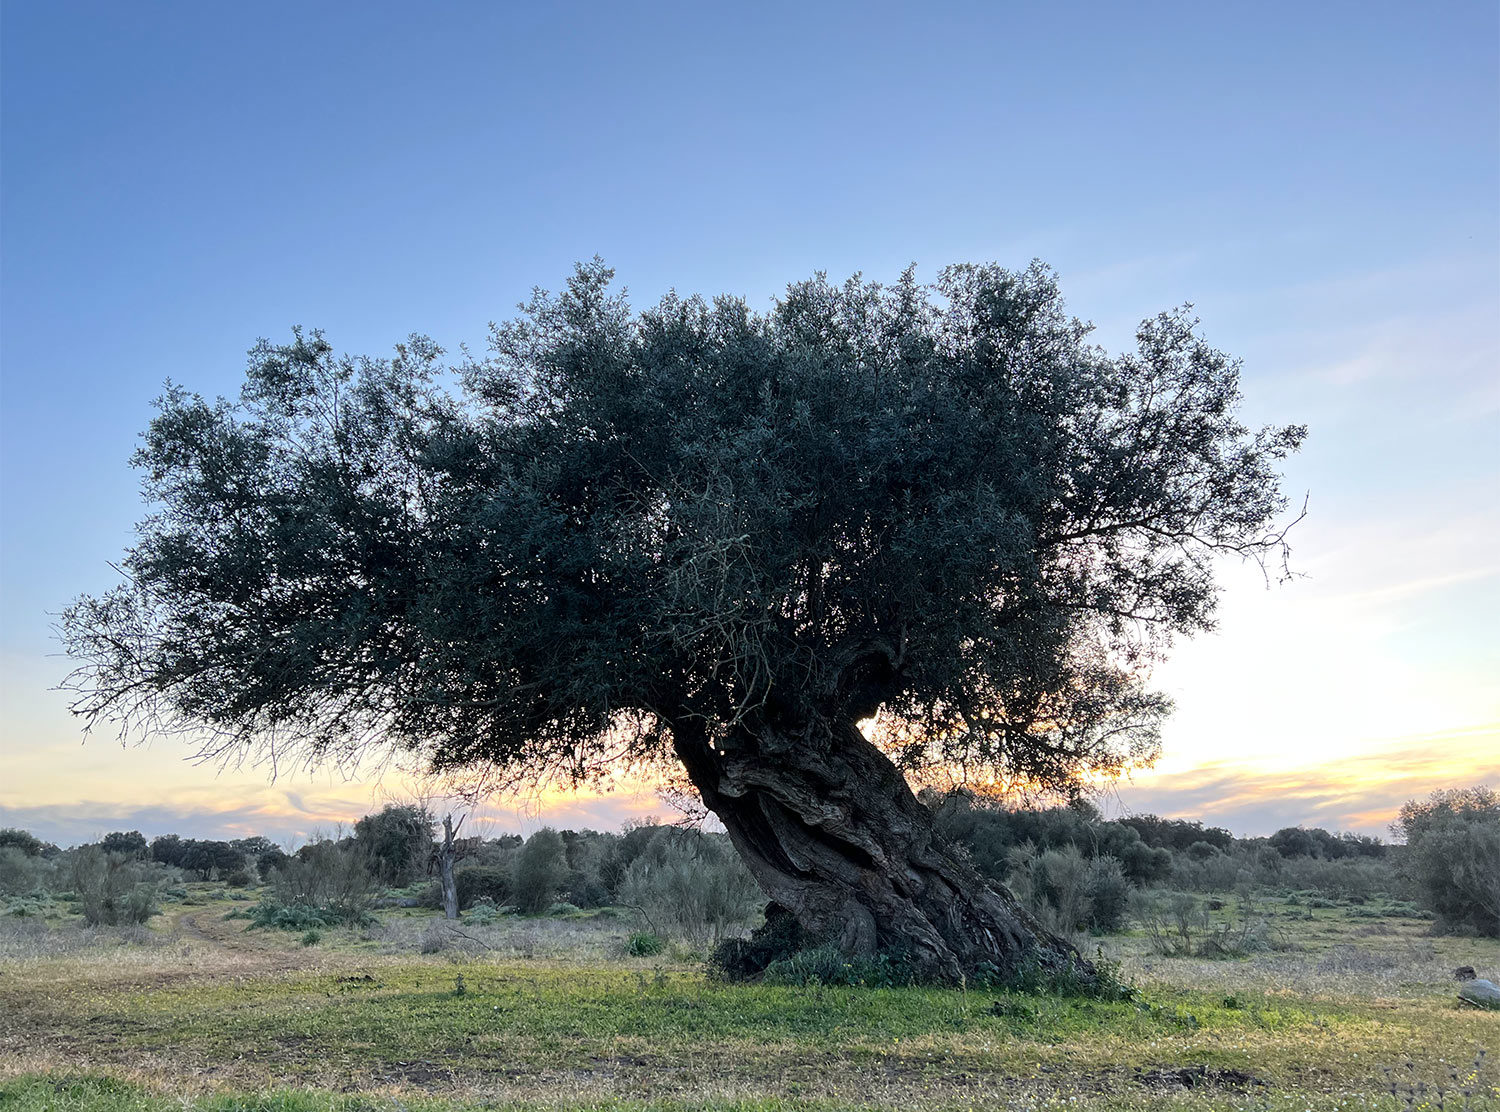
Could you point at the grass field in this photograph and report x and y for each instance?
(525, 1013)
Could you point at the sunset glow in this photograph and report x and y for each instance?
(1336, 229)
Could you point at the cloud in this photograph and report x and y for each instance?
(295, 816)
(1362, 792)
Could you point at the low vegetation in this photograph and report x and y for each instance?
(1315, 974)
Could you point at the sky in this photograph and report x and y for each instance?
(1321, 181)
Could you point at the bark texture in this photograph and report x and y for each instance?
(446, 854)
(831, 830)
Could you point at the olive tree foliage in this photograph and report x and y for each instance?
(398, 840)
(541, 871)
(703, 536)
(22, 840)
(1453, 856)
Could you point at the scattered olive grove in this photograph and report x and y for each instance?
(1075, 870)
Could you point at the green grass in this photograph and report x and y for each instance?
(104, 1094)
(75, 1092)
(208, 1018)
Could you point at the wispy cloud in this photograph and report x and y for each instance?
(1362, 792)
(289, 817)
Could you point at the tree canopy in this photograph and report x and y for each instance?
(678, 533)
(935, 503)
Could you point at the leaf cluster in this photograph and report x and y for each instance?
(933, 505)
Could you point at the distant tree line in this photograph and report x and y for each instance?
(1076, 869)
(1072, 867)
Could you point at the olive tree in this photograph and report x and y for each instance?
(797, 555)
(1452, 855)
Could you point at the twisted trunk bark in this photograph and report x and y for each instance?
(831, 830)
(446, 854)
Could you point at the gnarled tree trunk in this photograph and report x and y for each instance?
(831, 830)
(446, 854)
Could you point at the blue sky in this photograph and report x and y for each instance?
(177, 180)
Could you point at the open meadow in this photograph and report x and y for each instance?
(1351, 1008)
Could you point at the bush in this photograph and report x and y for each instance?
(478, 882)
(826, 965)
(989, 832)
(644, 944)
(289, 917)
(1109, 894)
(113, 889)
(140, 903)
(436, 937)
(779, 936)
(541, 871)
(1204, 867)
(21, 872)
(589, 855)
(483, 911)
(25, 908)
(1178, 924)
(1067, 891)
(271, 912)
(331, 877)
(690, 885)
(1351, 877)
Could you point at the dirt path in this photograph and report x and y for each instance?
(235, 950)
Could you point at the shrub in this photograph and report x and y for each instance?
(140, 903)
(778, 937)
(332, 877)
(21, 872)
(483, 911)
(644, 944)
(1352, 877)
(288, 917)
(112, 889)
(989, 832)
(479, 882)
(1203, 867)
(827, 965)
(1178, 924)
(1067, 891)
(589, 855)
(541, 871)
(436, 937)
(1109, 894)
(690, 885)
